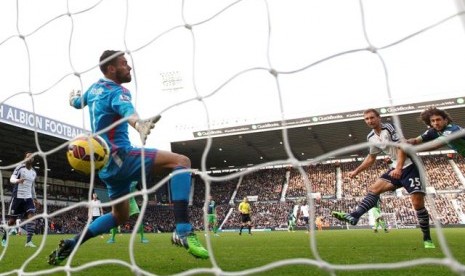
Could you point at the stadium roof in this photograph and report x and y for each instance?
(323, 135)
(15, 141)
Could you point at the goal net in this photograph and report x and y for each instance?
(203, 65)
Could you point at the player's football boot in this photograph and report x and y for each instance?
(344, 217)
(429, 244)
(3, 243)
(30, 244)
(144, 240)
(62, 252)
(191, 243)
(110, 240)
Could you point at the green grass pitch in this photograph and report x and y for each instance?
(234, 253)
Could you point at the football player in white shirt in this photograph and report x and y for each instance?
(96, 211)
(403, 173)
(304, 210)
(23, 200)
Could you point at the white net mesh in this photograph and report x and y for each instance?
(199, 59)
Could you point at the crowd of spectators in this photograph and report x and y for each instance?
(222, 190)
(358, 186)
(267, 184)
(321, 177)
(440, 173)
(270, 212)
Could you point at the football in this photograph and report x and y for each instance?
(80, 151)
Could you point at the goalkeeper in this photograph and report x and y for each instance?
(111, 111)
(133, 210)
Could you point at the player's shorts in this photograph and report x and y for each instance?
(305, 219)
(410, 179)
(21, 206)
(133, 207)
(245, 218)
(211, 218)
(124, 167)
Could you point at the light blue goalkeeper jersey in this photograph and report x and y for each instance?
(108, 102)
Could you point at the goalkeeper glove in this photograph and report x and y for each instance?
(145, 126)
(73, 96)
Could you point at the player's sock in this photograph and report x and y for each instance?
(103, 224)
(30, 228)
(113, 233)
(250, 229)
(180, 189)
(141, 232)
(240, 230)
(366, 204)
(215, 229)
(423, 221)
(376, 225)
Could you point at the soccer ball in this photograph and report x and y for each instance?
(80, 150)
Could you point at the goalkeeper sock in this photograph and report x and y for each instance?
(180, 189)
(215, 229)
(99, 226)
(180, 185)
